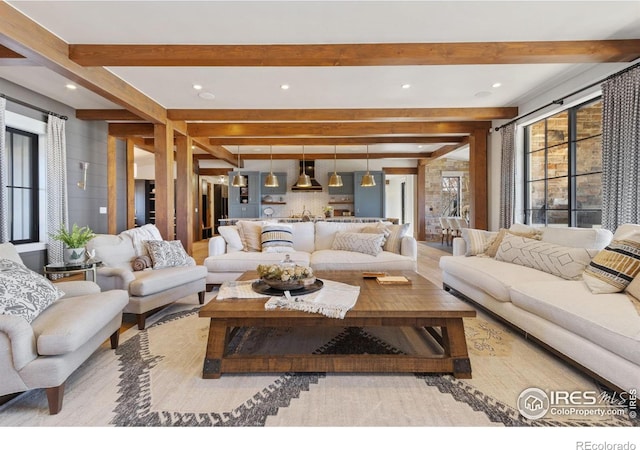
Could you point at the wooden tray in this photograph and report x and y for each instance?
(263, 288)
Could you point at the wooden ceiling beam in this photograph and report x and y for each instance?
(10, 58)
(327, 129)
(314, 156)
(107, 114)
(214, 151)
(379, 54)
(353, 114)
(336, 140)
(22, 35)
(214, 172)
(445, 149)
(127, 130)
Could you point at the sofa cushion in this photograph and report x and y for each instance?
(378, 228)
(277, 238)
(346, 260)
(304, 236)
(70, 322)
(493, 277)
(149, 282)
(367, 243)
(9, 251)
(113, 251)
(243, 261)
(232, 237)
(476, 241)
(566, 262)
(608, 320)
(494, 243)
(326, 232)
(570, 236)
(23, 292)
(139, 236)
(165, 254)
(618, 264)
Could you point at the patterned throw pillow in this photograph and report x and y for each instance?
(277, 238)
(492, 246)
(613, 269)
(23, 292)
(476, 241)
(367, 243)
(394, 240)
(565, 262)
(378, 228)
(165, 254)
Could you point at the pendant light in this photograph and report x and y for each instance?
(335, 180)
(271, 180)
(367, 178)
(304, 180)
(238, 180)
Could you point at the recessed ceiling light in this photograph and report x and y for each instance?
(406, 86)
(71, 86)
(496, 85)
(206, 95)
(284, 87)
(197, 87)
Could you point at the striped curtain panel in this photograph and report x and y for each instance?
(621, 149)
(507, 176)
(57, 206)
(4, 177)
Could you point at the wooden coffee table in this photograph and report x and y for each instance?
(421, 305)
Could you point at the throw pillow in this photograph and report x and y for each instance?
(250, 235)
(23, 292)
(277, 238)
(565, 262)
(394, 240)
(367, 243)
(378, 228)
(528, 232)
(476, 241)
(614, 268)
(231, 236)
(167, 254)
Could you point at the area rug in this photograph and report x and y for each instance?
(154, 380)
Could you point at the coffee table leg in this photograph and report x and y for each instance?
(216, 345)
(455, 346)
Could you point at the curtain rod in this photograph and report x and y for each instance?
(560, 101)
(44, 111)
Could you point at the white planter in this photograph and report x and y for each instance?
(74, 255)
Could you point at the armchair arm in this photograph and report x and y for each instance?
(217, 246)
(459, 247)
(78, 288)
(21, 338)
(114, 278)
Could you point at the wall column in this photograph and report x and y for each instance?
(184, 192)
(420, 200)
(112, 188)
(478, 179)
(164, 183)
(131, 187)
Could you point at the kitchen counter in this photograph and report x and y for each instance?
(315, 219)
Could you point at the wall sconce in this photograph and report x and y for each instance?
(83, 184)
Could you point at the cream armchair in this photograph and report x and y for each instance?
(43, 353)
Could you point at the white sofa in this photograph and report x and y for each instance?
(149, 289)
(599, 333)
(43, 353)
(312, 244)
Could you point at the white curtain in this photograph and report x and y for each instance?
(621, 150)
(4, 177)
(57, 207)
(507, 176)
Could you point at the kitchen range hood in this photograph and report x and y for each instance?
(309, 169)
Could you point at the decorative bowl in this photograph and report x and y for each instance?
(290, 285)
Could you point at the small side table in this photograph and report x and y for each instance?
(85, 267)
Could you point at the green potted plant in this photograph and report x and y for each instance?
(74, 241)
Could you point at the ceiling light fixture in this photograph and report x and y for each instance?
(71, 87)
(496, 85)
(335, 180)
(406, 86)
(284, 87)
(206, 95)
(238, 180)
(197, 87)
(271, 180)
(304, 180)
(367, 178)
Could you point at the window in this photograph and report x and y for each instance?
(22, 188)
(563, 167)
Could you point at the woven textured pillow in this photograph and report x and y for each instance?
(250, 235)
(277, 238)
(23, 292)
(167, 254)
(476, 241)
(613, 268)
(367, 243)
(565, 262)
(378, 228)
(394, 240)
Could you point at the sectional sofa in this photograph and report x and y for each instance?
(538, 285)
(240, 248)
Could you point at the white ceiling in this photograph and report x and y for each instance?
(303, 22)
